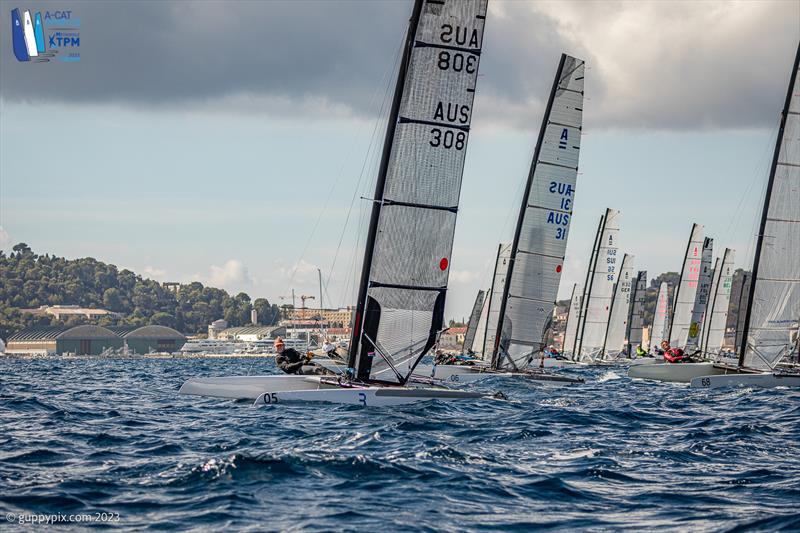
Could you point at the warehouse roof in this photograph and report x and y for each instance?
(62, 332)
(149, 332)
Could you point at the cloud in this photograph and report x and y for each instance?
(652, 65)
(463, 276)
(5, 239)
(233, 274)
(154, 273)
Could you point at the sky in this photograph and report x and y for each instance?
(231, 143)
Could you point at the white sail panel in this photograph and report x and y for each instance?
(472, 325)
(714, 331)
(407, 271)
(601, 289)
(636, 319)
(498, 285)
(480, 332)
(774, 318)
(537, 260)
(618, 319)
(686, 290)
(701, 297)
(660, 327)
(573, 316)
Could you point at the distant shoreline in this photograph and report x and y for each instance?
(145, 356)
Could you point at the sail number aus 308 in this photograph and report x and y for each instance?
(448, 139)
(457, 62)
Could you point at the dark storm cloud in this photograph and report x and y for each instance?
(652, 65)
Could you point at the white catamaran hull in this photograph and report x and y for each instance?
(646, 361)
(765, 380)
(365, 396)
(469, 374)
(247, 387)
(674, 372)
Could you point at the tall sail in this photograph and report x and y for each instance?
(701, 297)
(620, 305)
(585, 295)
(480, 331)
(540, 239)
(601, 290)
(636, 317)
(686, 290)
(744, 298)
(400, 306)
(714, 330)
(660, 327)
(496, 296)
(773, 316)
(571, 327)
(472, 326)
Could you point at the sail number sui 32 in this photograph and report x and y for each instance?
(460, 62)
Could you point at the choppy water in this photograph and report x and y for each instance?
(93, 436)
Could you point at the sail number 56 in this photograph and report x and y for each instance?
(448, 139)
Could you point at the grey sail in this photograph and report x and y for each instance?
(714, 330)
(701, 296)
(686, 290)
(571, 327)
(636, 318)
(540, 239)
(773, 316)
(743, 300)
(601, 290)
(659, 331)
(472, 326)
(573, 348)
(496, 296)
(400, 306)
(620, 306)
(480, 330)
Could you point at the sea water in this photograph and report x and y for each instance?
(111, 442)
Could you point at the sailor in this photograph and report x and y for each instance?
(288, 359)
(673, 355)
(640, 352)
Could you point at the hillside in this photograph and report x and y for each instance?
(28, 280)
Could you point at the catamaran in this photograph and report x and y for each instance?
(528, 271)
(772, 319)
(399, 312)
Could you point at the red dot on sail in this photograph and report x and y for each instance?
(558, 268)
(443, 263)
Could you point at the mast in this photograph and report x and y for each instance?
(592, 268)
(745, 288)
(587, 285)
(765, 209)
(380, 184)
(525, 196)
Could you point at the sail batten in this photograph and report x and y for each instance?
(540, 238)
(400, 307)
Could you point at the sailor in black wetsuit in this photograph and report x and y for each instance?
(288, 359)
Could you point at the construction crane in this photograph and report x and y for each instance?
(303, 298)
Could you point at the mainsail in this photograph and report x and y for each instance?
(660, 328)
(573, 348)
(472, 326)
(480, 331)
(571, 327)
(400, 305)
(714, 328)
(495, 297)
(592, 332)
(686, 290)
(620, 305)
(636, 317)
(540, 239)
(773, 316)
(701, 297)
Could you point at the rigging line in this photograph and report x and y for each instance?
(386, 82)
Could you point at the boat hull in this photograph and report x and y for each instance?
(364, 396)
(646, 361)
(674, 372)
(765, 380)
(469, 374)
(246, 387)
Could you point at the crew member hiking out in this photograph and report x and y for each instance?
(673, 355)
(292, 362)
